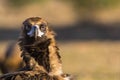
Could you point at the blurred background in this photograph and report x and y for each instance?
(88, 33)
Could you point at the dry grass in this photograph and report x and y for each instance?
(90, 60)
(93, 60)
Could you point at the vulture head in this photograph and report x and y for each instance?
(35, 30)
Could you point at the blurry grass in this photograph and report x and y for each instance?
(94, 4)
(22, 3)
(89, 60)
(3, 46)
(94, 60)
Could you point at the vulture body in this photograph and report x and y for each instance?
(32, 75)
(39, 52)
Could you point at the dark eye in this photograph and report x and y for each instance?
(27, 27)
(42, 27)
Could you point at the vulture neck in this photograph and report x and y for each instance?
(46, 55)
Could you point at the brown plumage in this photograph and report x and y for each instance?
(32, 75)
(39, 52)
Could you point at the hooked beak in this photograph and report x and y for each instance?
(35, 31)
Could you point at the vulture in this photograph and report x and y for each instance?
(39, 53)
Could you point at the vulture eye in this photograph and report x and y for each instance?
(27, 27)
(42, 27)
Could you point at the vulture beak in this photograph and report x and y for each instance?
(35, 32)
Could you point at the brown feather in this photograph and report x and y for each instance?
(44, 50)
